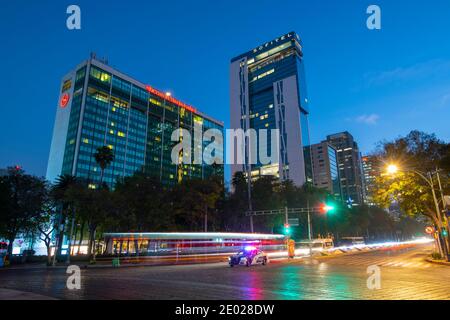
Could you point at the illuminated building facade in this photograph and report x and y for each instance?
(350, 167)
(325, 168)
(100, 106)
(371, 169)
(268, 91)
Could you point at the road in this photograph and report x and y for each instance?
(404, 275)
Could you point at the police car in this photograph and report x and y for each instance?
(250, 255)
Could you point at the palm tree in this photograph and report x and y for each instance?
(104, 156)
(60, 195)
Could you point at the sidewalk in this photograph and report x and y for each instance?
(9, 294)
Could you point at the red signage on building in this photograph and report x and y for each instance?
(170, 99)
(64, 100)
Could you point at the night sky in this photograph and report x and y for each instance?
(375, 84)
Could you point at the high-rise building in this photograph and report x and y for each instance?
(3, 172)
(371, 169)
(268, 91)
(325, 168)
(100, 106)
(350, 167)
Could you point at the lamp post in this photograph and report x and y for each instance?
(428, 178)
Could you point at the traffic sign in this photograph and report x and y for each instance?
(294, 222)
(429, 229)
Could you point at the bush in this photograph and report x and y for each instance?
(436, 256)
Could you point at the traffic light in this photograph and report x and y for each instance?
(287, 229)
(326, 207)
(444, 232)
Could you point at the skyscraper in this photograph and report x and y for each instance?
(325, 168)
(100, 106)
(371, 169)
(350, 167)
(268, 91)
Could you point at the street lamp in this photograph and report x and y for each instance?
(428, 178)
(392, 169)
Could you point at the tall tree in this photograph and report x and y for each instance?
(192, 201)
(104, 156)
(22, 199)
(64, 206)
(140, 199)
(417, 155)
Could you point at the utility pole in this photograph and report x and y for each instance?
(309, 221)
(249, 191)
(286, 216)
(309, 228)
(446, 239)
(206, 218)
(438, 212)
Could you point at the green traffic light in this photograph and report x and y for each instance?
(327, 207)
(287, 229)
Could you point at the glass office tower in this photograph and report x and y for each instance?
(268, 91)
(100, 106)
(325, 168)
(350, 167)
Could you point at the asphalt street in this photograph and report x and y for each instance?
(404, 275)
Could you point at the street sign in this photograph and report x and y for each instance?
(429, 229)
(294, 222)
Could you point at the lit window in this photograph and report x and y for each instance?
(120, 134)
(111, 131)
(85, 140)
(110, 146)
(105, 77)
(154, 101)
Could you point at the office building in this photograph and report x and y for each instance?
(325, 168)
(371, 169)
(350, 167)
(268, 91)
(100, 106)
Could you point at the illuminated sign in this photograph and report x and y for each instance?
(170, 99)
(282, 38)
(66, 86)
(64, 100)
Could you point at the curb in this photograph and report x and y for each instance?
(441, 262)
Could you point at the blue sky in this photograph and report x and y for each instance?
(376, 84)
